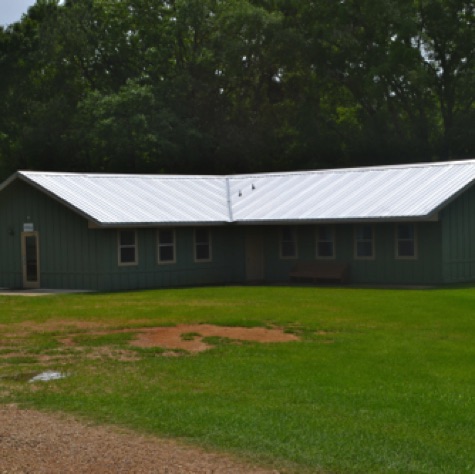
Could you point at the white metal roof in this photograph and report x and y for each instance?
(416, 191)
(121, 199)
(372, 193)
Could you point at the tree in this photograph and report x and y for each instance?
(24, 83)
(446, 41)
(213, 86)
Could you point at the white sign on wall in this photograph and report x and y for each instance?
(28, 227)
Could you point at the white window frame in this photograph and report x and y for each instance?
(293, 241)
(196, 243)
(161, 245)
(371, 241)
(331, 229)
(398, 240)
(121, 246)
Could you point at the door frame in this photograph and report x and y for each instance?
(29, 284)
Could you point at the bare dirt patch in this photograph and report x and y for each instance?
(190, 337)
(173, 341)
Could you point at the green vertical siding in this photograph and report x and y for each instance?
(68, 256)
(385, 268)
(226, 265)
(458, 238)
(10, 245)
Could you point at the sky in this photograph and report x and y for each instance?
(12, 10)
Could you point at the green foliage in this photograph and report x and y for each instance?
(448, 39)
(242, 85)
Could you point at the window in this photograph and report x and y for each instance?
(364, 241)
(405, 241)
(288, 243)
(127, 247)
(166, 246)
(202, 245)
(325, 242)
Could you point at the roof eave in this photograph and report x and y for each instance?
(94, 224)
(432, 217)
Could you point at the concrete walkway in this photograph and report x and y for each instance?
(38, 292)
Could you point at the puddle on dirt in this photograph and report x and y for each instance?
(47, 376)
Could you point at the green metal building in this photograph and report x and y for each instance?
(406, 224)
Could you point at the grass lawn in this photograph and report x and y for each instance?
(380, 380)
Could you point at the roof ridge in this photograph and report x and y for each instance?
(358, 169)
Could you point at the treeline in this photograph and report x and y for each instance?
(225, 86)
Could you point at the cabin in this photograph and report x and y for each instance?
(405, 225)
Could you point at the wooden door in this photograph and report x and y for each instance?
(30, 259)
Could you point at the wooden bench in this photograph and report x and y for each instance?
(320, 271)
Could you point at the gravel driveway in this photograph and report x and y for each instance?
(37, 442)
